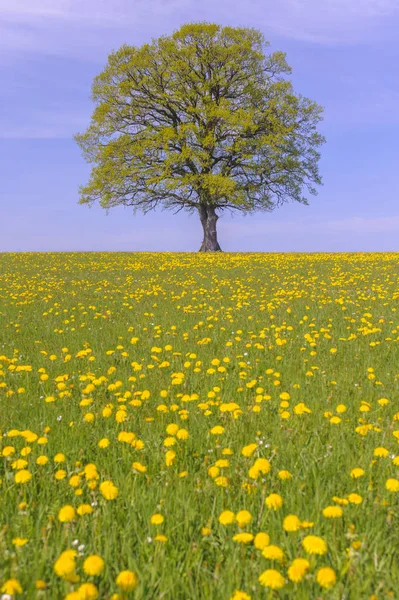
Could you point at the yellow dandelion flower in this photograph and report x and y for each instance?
(126, 581)
(274, 501)
(261, 540)
(297, 569)
(314, 544)
(272, 579)
(326, 577)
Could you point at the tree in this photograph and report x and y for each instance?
(202, 120)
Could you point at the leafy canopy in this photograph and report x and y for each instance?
(203, 116)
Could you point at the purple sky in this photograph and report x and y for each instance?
(344, 55)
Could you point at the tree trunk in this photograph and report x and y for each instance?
(209, 218)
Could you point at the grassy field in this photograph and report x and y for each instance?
(181, 426)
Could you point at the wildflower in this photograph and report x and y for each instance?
(126, 581)
(22, 476)
(18, 541)
(109, 490)
(243, 537)
(314, 545)
(262, 465)
(170, 457)
(213, 472)
(221, 481)
(93, 565)
(291, 523)
(333, 512)
(240, 595)
(226, 517)
(273, 553)
(272, 579)
(326, 577)
(274, 501)
(297, 569)
(355, 499)
(84, 509)
(87, 591)
(66, 514)
(357, 472)
(217, 430)
(157, 519)
(11, 587)
(261, 540)
(392, 485)
(381, 452)
(104, 443)
(65, 564)
(182, 434)
(301, 408)
(40, 584)
(284, 475)
(139, 467)
(340, 501)
(243, 517)
(249, 450)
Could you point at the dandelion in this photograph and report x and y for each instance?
(392, 485)
(297, 569)
(274, 501)
(272, 579)
(226, 517)
(66, 514)
(249, 450)
(333, 512)
(357, 472)
(261, 540)
(240, 595)
(273, 553)
(326, 577)
(109, 490)
(217, 430)
(243, 537)
(284, 475)
(87, 591)
(93, 565)
(84, 509)
(292, 523)
(22, 476)
(381, 452)
(314, 545)
(126, 581)
(355, 499)
(243, 517)
(11, 587)
(19, 542)
(139, 467)
(157, 519)
(170, 457)
(65, 564)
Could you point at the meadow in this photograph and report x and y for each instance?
(212, 426)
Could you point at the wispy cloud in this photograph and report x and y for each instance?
(33, 31)
(73, 27)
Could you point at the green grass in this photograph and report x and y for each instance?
(323, 328)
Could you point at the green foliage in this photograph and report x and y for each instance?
(202, 116)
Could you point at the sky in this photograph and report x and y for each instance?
(344, 55)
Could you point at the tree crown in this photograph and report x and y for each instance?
(201, 117)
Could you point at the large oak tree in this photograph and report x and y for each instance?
(203, 120)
